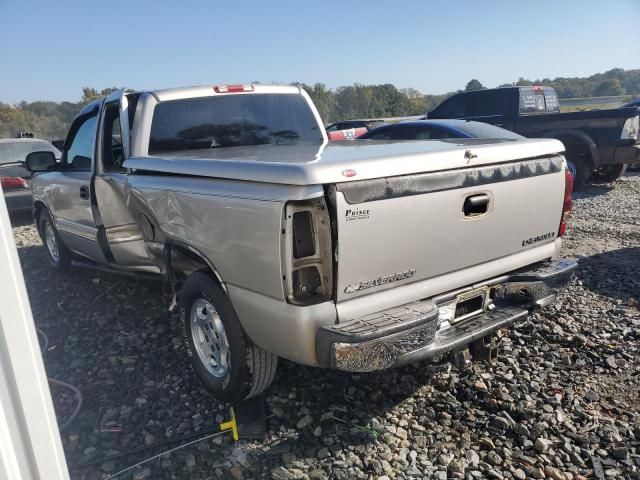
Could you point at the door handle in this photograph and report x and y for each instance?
(476, 205)
(84, 192)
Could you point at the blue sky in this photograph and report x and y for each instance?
(50, 49)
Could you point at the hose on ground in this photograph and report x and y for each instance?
(73, 388)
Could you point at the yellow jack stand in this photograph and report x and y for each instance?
(231, 425)
(248, 420)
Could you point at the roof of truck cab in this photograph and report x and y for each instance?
(208, 91)
(307, 164)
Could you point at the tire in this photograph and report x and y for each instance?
(229, 366)
(609, 173)
(581, 170)
(59, 255)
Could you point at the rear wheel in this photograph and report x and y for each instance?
(609, 173)
(224, 359)
(59, 255)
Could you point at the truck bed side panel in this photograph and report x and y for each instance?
(602, 126)
(236, 225)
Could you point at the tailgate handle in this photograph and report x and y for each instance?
(476, 205)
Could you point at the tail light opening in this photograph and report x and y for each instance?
(307, 270)
(9, 183)
(568, 202)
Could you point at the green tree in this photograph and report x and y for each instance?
(523, 82)
(416, 102)
(89, 94)
(611, 86)
(474, 85)
(322, 97)
(52, 119)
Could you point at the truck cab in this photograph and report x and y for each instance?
(499, 106)
(83, 194)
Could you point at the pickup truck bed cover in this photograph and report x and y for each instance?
(322, 164)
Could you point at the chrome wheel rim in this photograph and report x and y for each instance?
(50, 240)
(209, 338)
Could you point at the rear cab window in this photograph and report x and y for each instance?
(538, 100)
(231, 121)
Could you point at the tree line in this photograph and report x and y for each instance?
(44, 119)
(51, 120)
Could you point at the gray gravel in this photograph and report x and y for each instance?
(562, 401)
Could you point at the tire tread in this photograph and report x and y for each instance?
(255, 372)
(263, 367)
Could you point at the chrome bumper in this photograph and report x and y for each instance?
(421, 330)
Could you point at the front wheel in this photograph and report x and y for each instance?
(224, 359)
(59, 255)
(609, 173)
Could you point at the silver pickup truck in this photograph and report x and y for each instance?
(276, 243)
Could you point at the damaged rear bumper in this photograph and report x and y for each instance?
(432, 328)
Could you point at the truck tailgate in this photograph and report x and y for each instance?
(397, 230)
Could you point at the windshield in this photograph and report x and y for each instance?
(16, 151)
(232, 121)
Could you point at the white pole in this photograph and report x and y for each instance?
(30, 446)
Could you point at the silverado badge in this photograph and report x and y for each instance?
(393, 277)
(539, 238)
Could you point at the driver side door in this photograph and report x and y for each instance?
(70, 192)
(124, 239)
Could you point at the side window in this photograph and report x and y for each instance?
(79, 155)
(406, 133)
(439, 134)
(380, 134)
(488, 103)
(425, 133)
(454, 107)
(112, 151)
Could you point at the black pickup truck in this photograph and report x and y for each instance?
(600, 143)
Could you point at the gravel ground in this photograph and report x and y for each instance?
(561, 402)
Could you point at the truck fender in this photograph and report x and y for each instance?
(149, 226)
(580, 137)
(172, 245)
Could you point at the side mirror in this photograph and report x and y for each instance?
(40, 161)
(81, 162)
